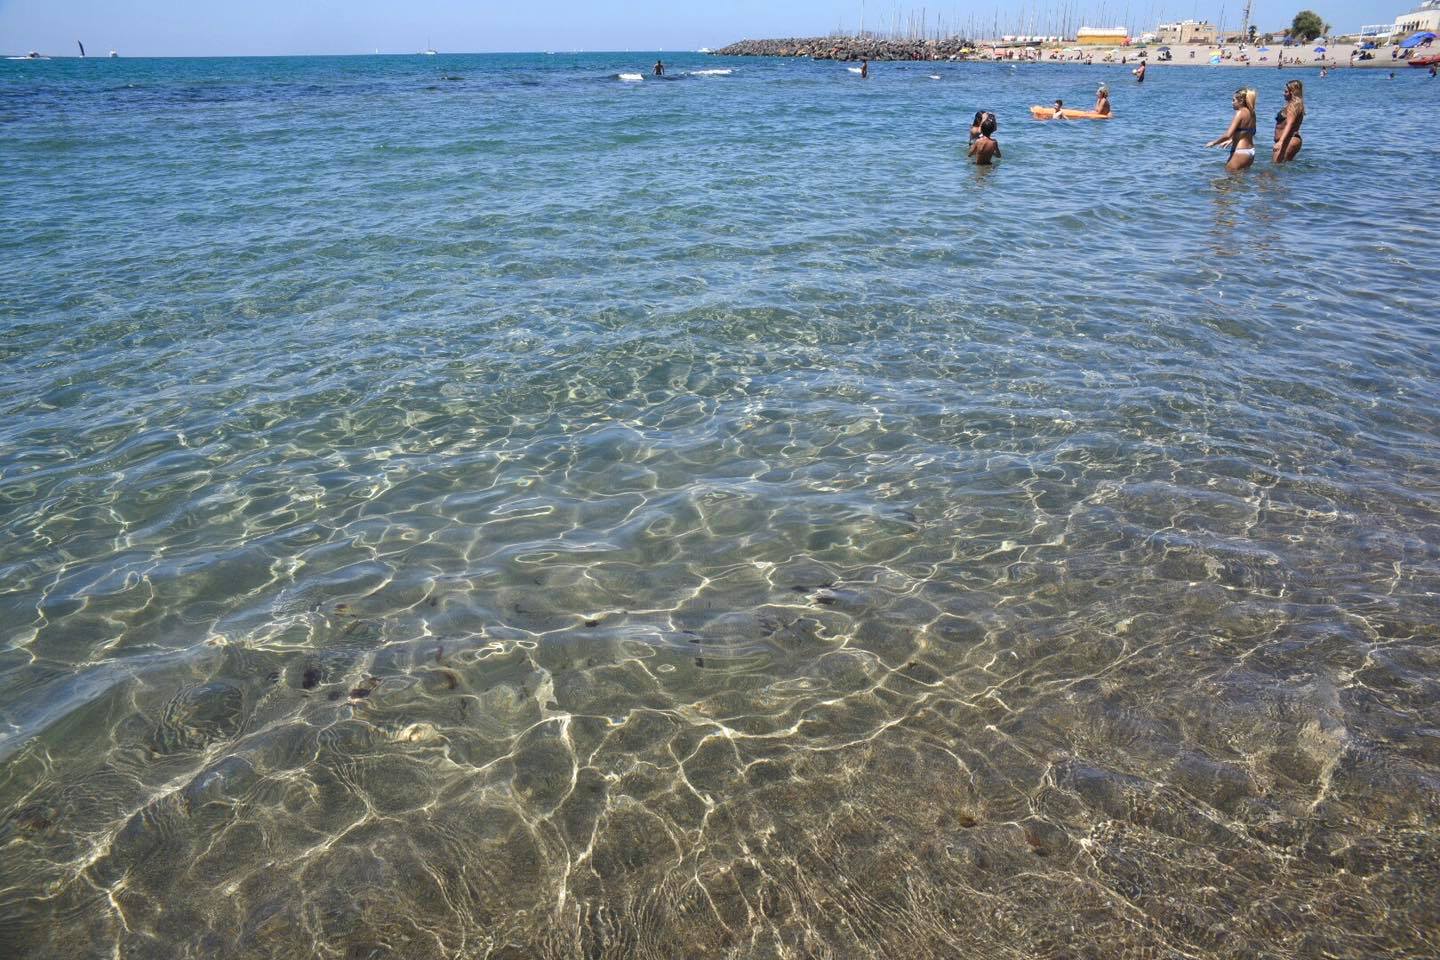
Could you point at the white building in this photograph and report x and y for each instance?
(1424, 17)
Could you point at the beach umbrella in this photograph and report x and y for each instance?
(1319, 49)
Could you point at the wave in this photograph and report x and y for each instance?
(853, 69)
(629, 77)
(710, 73)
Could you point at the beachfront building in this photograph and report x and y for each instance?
(1102, 37)
(1187, 31)
(1424, 18)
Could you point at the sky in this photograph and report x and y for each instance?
(275, 27)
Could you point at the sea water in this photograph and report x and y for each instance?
(489, 507)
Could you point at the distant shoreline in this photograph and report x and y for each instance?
(847, 49)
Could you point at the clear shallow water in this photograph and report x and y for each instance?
(534, 514)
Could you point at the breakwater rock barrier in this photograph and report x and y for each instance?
(849, 48)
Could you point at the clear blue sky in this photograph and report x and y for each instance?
(216, 27)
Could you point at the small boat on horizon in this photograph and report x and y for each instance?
(114, 54)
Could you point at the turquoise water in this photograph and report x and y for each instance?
(484, 507)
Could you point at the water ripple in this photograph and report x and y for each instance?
(480, 507)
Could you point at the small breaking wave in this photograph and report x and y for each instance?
(630, 77)
(710, 73)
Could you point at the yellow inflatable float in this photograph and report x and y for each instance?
(1048, 113)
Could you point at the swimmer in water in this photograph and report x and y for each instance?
(1287, 123)
(1139, 72)
(1059, 110)
(976, 123)
(1240, 137)
(864, 69)
(1102, 101)
(985, 149)
(659, 69)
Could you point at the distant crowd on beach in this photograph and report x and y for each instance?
(1211, 55)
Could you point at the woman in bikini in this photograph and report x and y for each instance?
(1288, 121)
(1240, 138)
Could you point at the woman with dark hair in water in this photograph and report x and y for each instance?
(1287, 123)
(1240, 137)
(977, 124)
(985, 148)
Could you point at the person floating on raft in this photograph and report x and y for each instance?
(1102, 101)
(1060, 112)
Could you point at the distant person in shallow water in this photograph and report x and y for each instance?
(659, 69)
(864, 69)
(1288, 121)
(1240, 137)
(1432, 70)
(1102, 101)
(1139, 72)
(985, 149)
(1059, 110)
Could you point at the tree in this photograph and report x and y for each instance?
(1306, 26)
(1254, 30)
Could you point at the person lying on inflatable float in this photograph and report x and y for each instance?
(1058, 112)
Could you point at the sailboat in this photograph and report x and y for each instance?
(82, 49)
(114, 54)
(429, 50)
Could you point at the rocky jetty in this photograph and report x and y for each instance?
(848, 48)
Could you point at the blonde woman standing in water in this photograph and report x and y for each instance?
(1288, 121)
(1240, 138)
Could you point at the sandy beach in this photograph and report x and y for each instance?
(1316, 55)
(1276, 55)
